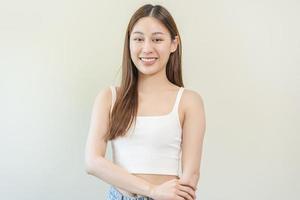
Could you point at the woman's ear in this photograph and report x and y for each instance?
(174, 44)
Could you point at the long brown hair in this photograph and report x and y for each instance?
(125, 108)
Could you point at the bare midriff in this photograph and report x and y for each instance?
(151, 178)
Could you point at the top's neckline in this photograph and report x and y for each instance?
(154, 116)
(165, 115)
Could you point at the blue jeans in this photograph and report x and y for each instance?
(115, 194)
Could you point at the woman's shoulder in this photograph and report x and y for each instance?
(191, 93)
(107, 90)
(191, 98)
(105, 95)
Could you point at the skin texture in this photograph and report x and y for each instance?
(156, 97)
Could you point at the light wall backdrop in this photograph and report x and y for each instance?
(242, 56)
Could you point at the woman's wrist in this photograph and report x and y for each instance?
(151, 190)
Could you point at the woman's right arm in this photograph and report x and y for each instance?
(97, 165)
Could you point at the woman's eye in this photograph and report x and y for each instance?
(141, 39)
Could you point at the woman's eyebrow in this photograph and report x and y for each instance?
(155, 33)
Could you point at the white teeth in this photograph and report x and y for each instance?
(148, 59)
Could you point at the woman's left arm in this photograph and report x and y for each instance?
(192, 139)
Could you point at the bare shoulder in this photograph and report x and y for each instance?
(192, 100)
(192, 96)
(104, 97)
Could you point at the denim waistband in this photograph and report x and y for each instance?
(115, 194)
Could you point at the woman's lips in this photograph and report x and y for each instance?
(148, 61)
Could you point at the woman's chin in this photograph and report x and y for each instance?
(148, 71)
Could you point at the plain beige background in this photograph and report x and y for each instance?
(242, 56)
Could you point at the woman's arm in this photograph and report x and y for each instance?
(95, 161)
(115, 175)
(193, 134)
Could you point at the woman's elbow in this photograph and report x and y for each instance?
(88, 167)
(90, 164)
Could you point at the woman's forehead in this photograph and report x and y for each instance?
(149, 25)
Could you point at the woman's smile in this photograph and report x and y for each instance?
(148, 61)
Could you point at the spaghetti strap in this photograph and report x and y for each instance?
(178, 97)
(113, 96)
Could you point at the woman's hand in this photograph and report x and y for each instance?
(172, 190)
(189, 180)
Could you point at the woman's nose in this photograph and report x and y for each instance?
(148, 46)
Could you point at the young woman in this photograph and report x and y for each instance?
(155, 125)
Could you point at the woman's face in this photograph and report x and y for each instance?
(151, 45)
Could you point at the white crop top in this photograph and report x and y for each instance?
(153, 146)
